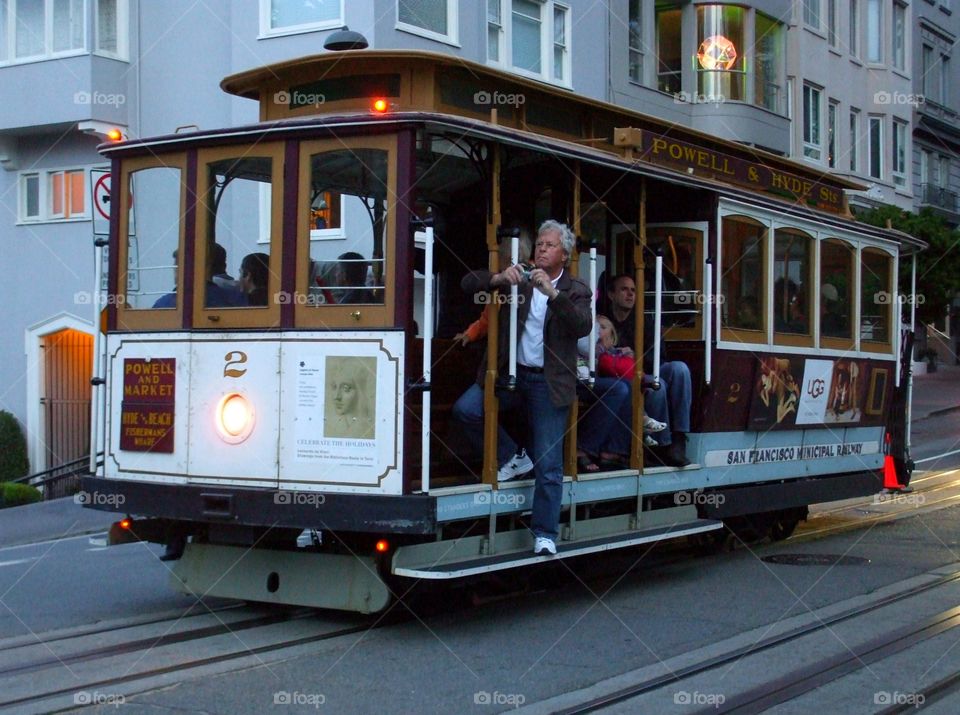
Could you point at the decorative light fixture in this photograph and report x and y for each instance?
(345, 39)
(717, 53)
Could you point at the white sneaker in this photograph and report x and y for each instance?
(649, 441)
(518, 465)
(543, 545)
(652, 425)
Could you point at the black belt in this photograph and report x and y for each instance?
(527, 368)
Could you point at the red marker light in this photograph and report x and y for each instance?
(114, 135)
(383, 546)
(380, 105)
(124, 523)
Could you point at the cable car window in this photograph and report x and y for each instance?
(836, 289)
(348, 225)
(876, 296)
(742, 281)
(681, 297)
(237, 267)
(153, 276)
(792, 262)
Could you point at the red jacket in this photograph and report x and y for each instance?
(615, 365)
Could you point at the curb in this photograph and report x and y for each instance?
(936, 413)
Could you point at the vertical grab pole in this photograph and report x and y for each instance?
(514, 293)
(708, 320)
(96, 378)
(428, 317)
(913, 329)
(657, 316)
(592, 359)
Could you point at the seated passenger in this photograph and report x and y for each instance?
(788, 314)
(255, 277)
(606, 427)
(215, 295)
(833, 320)
(671, 403)
(351, 276)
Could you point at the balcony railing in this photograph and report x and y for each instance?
(938, 196)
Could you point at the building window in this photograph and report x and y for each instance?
(899, 36)
(899, 153)
(535, 41)
(53, 196)
(927, 78)
(854, 140)
(768, 60)
(494, 31)
(281, 17)
(37, 29)
(436, 19)
(944, 80)
(111, 28)
(874, 31)
(721, 52)
(832, 22)
(854, 38)
(811, 122)
(669, 58)
(875, 147)
(832, 109)
(811, 13)
(635, 42)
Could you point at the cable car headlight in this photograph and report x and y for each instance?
(234, 418)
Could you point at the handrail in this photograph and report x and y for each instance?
(64, 470)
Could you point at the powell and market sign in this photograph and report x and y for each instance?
(676, 154)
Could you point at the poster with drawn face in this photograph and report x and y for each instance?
(350, 403)
(775, 395)
(845, 401)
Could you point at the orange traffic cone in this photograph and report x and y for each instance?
(890, 481)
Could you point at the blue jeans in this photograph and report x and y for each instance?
(608, 424)
(547, 425)
(671, 403)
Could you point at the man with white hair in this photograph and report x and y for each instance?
(553, 313)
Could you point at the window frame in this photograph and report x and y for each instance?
(877, 346)
(44, 196)
(149, 319)
(10, 26)
(830, 342)
(698, 231)
(123, 35)
(853, 129)
(812, 10)
(376, 315)
(632, 51)
(812, 150)
(780, 337)
(899, 52)
(878, 6)
(853, 35)
(266, 31)
(833, 111)
(761, 335)
(547, 17)
(898, 171)
(875, 120)
(221, 318)
(453, 29)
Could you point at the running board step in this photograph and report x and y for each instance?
(524, 556)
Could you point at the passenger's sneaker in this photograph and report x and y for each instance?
(543, 546)
(518, 465)
(649, 441)
(652, 425)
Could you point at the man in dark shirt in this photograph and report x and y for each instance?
(671, 403)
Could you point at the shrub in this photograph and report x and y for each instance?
(18, 494)
(13, 449)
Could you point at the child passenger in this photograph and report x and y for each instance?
(605, 432)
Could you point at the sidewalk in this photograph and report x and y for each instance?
(55, 519)
(936, 393)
